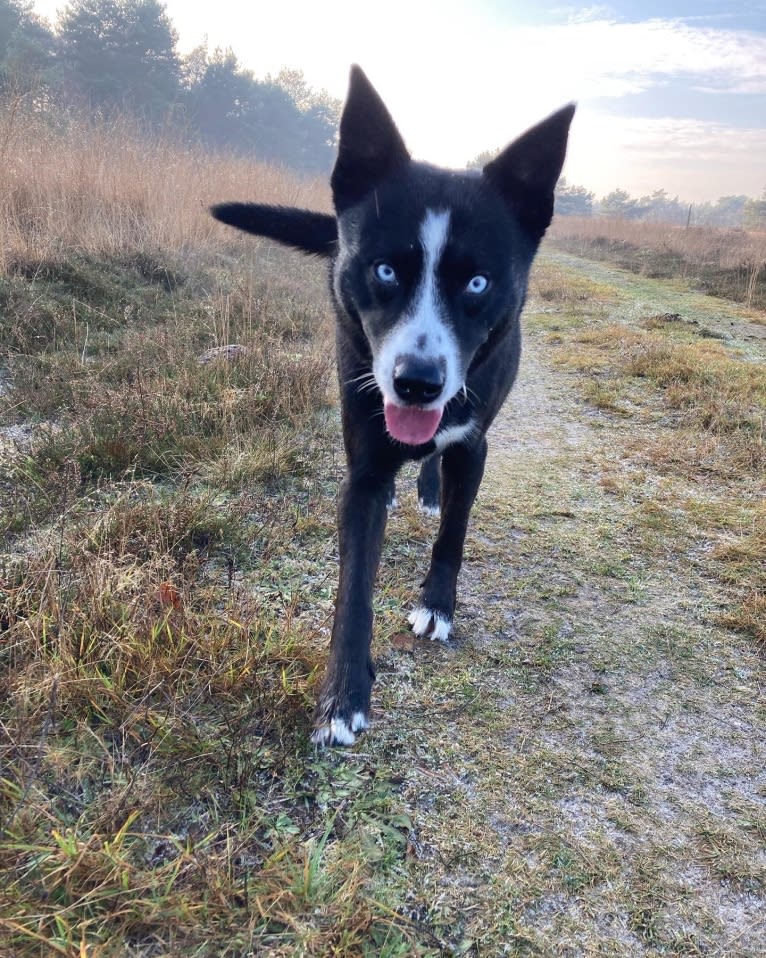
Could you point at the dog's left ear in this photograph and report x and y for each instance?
(369, 146)
(527, 170)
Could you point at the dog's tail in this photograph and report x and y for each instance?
(305, 230)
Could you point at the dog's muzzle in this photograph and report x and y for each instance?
(411, 416)
(418, 381)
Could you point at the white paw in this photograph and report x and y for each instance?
(392, 505)
(339, 732)
(359, 721)
(428, 624)
(429, 510)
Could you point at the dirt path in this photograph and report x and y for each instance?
(590, 776)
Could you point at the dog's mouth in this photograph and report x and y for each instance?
(410, 424)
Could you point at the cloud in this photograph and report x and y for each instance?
(512, 78)
(690, 158)
(608, 59)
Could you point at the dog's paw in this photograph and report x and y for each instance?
(392, 503)
(429, 509)
(343, 706)
(429, 624)
(339, 731)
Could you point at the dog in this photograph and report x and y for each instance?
(428, 275)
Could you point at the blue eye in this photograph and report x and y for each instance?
(385, 273)
(477, 285)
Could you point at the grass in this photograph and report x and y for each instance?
(83, 187)
(159, 791)
(704, 398)
(135, 399)
(722, 262)
(718, 394)
(577, 773)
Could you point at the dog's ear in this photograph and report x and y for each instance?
(526, 171)
(369, 145)
(305, 230)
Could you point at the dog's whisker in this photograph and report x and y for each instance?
(366, 383)
(363, 376)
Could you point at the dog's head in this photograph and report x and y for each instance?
(432, 265)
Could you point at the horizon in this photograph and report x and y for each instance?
(672, 100)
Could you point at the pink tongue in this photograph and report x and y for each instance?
(411, 425)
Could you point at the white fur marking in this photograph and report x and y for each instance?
(429, 510)
(453, 434)
(338, 732)
(422, 620)
(359, 721)
(332, 732)
(424, 319)
(442, 628)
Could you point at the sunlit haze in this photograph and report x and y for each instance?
(670, 95)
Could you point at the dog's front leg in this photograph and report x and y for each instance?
(344, 701)
(462, 469)
(429, 486)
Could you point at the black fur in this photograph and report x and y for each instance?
(302, 229)
(463, 342)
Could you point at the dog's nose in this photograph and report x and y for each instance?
(418, 381)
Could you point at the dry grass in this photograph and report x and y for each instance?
(726, 262)
(158, 726)
(113, 280)
(159, 795)
(85, 188)
(720, 395)
(576, 297)
(704, 397)
(117, 390)
(742, 560)
(699, 244)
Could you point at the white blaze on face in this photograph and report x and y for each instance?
(422, 331)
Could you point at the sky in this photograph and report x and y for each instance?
(671, 95)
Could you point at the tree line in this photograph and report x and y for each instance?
(116, 56)
(736, 212)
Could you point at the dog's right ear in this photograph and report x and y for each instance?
(304, 230)
(369, 145)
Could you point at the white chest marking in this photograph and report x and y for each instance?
(453, 434)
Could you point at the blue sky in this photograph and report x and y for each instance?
(740, 16)
(670, 95)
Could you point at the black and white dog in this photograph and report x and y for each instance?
(429, 275)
